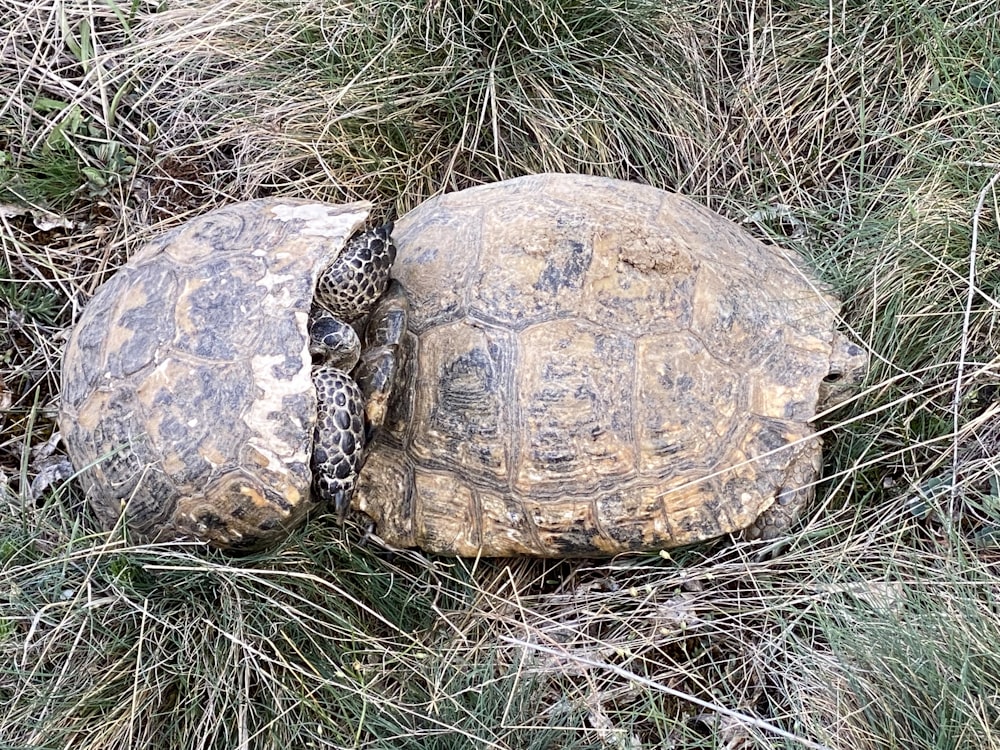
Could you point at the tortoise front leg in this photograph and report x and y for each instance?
(338, 445)
(350, 285)
(380, 370)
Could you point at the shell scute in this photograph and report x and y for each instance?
(140, 326)
(88, 338)
(463, 419)
(448, 512)
(219, 233)
(499, 515)
(213, 306)
(184, 402)
(530, 277)
(640, 281)
(391, 497)
(575, 396)
(680, 377)
(279, 345)
(446, 248)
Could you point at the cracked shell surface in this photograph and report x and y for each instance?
(187, 401)
(594, 367)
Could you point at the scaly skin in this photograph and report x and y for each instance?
(345, 292)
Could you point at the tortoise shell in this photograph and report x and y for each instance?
(597, 366)
(186, 402)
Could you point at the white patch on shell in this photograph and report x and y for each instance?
(270, 401)
(333, 225)
(278, 291)
(319, 222)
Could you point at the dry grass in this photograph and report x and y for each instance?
(867, 138)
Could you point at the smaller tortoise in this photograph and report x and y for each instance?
(594, 366)
(206, 384)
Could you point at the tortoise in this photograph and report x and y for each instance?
(592, 367)
(206, 391)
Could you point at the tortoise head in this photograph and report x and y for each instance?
(848, 367)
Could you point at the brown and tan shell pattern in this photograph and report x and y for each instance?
(187, 403)
(594, 366)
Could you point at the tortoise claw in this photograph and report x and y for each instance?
(339, 504)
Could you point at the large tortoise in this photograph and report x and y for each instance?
(596, 366)
(190, 400)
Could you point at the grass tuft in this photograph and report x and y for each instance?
(402, 100)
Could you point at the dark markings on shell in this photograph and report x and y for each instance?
(147, 506)
(143, 325)
(473, 372)
(772, 437)
(282, 339)
(286, 425)
(565, 267)
(220, 299)
(89, 367)
(466, 380)
(221, 231)
(188, 414)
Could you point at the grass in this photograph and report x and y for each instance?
(866, 137)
